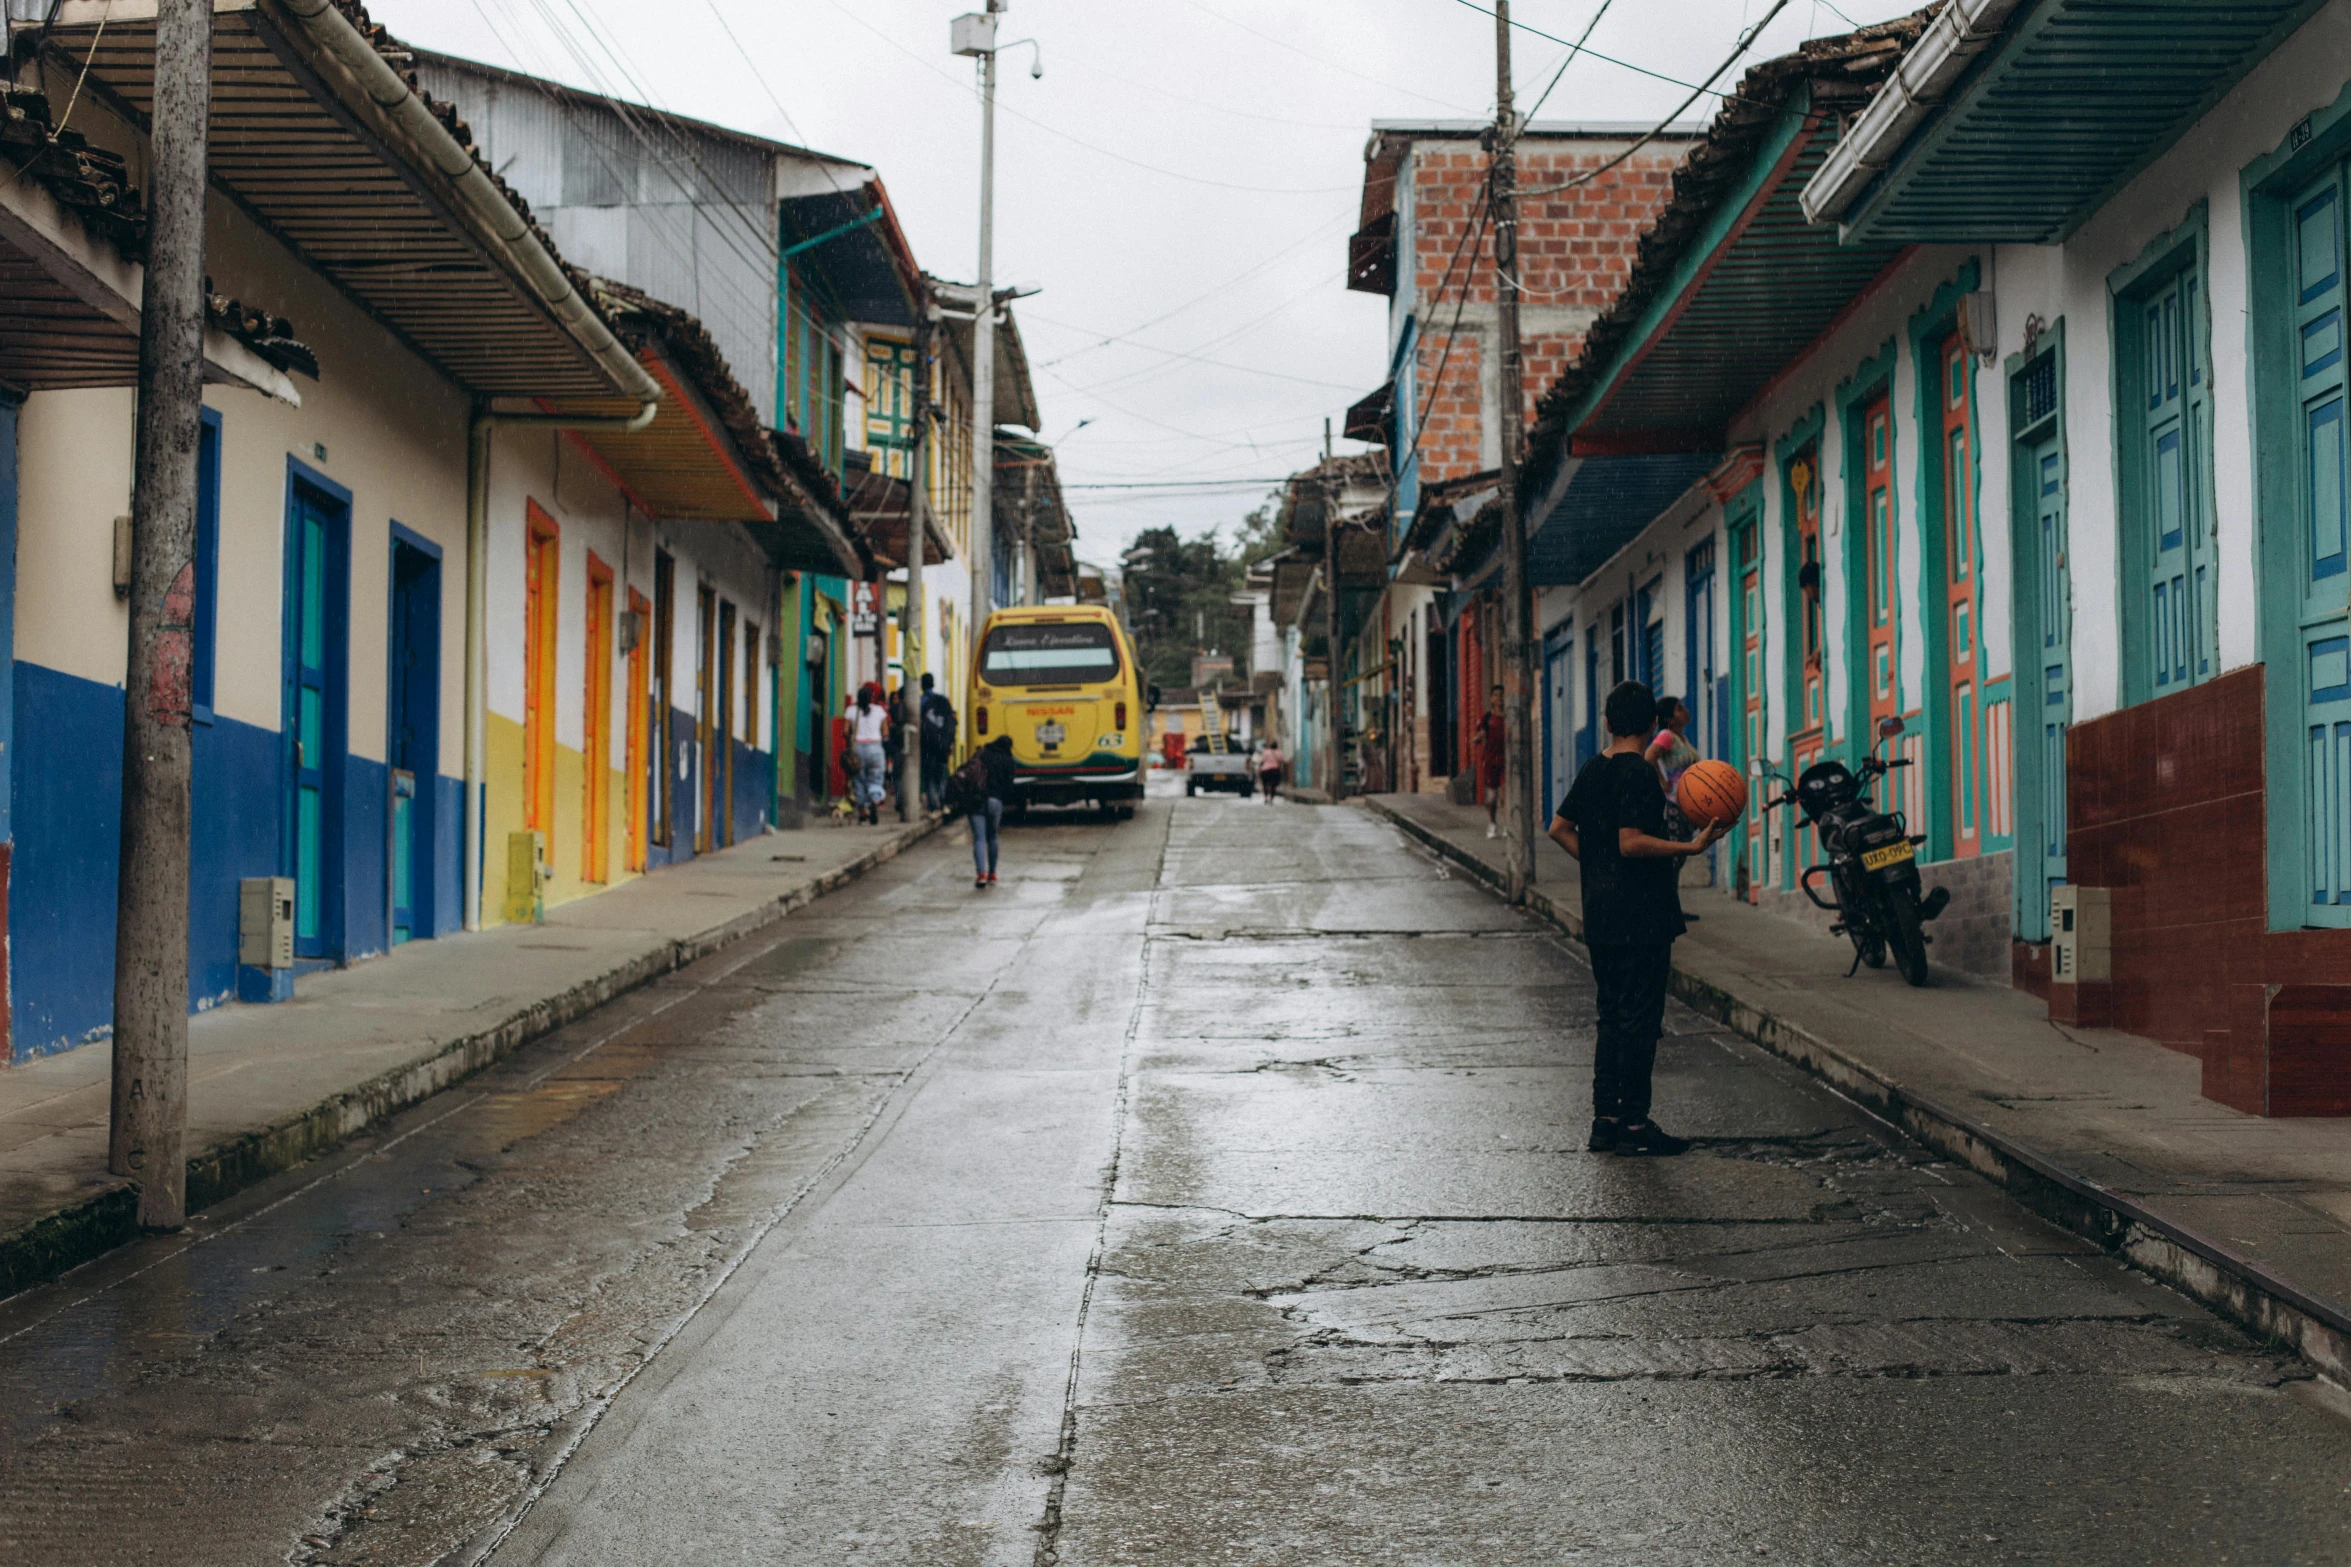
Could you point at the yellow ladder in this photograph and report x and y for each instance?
(1212, 720)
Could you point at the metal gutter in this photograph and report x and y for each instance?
(492, 219)
(1921, 84)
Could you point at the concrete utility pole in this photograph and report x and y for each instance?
(1330, 638)
(976, 35)
(1518, 615)
(149, 1128)
(911, 636)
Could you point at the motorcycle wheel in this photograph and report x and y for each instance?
(1909, 941)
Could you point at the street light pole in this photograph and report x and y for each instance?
(976, 35)
(1518, 684)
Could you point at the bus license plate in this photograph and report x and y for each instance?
(1050, 733)
(1891, 854)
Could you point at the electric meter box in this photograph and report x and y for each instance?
(265, 922)
(2081, 935)
(973, 34)
(265, 938)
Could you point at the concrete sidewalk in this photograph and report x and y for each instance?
(2100, 1131)
(271, 1086)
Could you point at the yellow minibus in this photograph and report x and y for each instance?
(1061, 680)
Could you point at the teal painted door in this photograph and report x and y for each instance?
(2176, 401)
(2053, 613)
(2321, 579)
(311, 717)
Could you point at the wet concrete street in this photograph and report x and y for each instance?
(1210, 1192)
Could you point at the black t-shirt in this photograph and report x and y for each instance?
(1626, 902)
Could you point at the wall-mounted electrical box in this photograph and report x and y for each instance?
(122, 557)
(526, 877)
(2081, 935)
(265, 938)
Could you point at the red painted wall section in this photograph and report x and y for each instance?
(2168, 809)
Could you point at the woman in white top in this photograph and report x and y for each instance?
(868, 729)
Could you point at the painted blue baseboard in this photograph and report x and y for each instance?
(67, 780)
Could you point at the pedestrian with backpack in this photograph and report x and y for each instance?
(980, 789)
(938, 743)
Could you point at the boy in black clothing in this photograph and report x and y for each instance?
(1613, 822)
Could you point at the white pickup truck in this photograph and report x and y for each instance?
(1233, 768)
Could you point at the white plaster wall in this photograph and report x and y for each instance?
(394, 436)
(2068, 282)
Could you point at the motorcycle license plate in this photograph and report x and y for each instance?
(1050, 733)
(1891, 854)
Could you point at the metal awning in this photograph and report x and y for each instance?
(1368, 415)
(881, 510)
(1598, 505)
(843, 235)
(319, 134)
(2014, 120)
(70, 301)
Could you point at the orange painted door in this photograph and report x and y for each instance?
(542, 558)
(1962, 629)
(596, 726)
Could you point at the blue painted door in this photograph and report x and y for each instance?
(1558, 720)
(413, 722)
(2325, 534)
(313, 719)
(2176, 403)
(1705, 691)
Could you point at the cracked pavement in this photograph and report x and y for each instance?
(1211, 1192)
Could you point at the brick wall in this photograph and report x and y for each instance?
(1575, 250)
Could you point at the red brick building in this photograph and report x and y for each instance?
(1426, 241)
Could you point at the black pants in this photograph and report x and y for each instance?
(1631, 982)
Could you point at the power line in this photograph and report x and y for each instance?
(1745, 42)
(1573, 50)
(1641, 70)
(1079, 141)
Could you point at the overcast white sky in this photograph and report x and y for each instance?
(1181, 181)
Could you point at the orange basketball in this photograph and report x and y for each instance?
(1711, 791)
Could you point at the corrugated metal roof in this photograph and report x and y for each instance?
(351, 205)
(1605, 504)
(2076, 98)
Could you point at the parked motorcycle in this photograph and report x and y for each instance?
(1871, 860)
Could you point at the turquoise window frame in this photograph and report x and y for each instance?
(2025, 620)
(2267, 185)
(1855, 393)
(1929, 328)
(1788, 718)
(2187, 244)
(1742, 513)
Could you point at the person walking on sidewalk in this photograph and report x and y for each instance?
(869, 730)
(987, 785)
(1493, 750)
(1270, 765)
(938, 742)
(1613, 824)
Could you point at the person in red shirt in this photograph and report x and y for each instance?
(1493, 746)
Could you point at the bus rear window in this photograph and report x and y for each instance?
(1067, 653)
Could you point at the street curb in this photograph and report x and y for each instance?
(2317, 1330)
(50, 1245)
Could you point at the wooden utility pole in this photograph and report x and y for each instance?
(149, 1129)
(1518, 612)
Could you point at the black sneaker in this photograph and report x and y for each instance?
(1607, 1130)
(1647, 1137)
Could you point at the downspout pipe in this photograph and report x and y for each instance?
(477, 610)
(490, 219)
